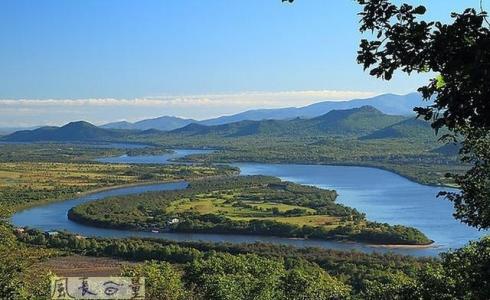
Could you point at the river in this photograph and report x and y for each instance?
(382, 195)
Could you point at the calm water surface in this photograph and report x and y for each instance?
(383, 196)
(165, 158)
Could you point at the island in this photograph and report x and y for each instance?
(256, 205)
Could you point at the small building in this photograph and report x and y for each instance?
(173, 221)
(51, 233)
(79, 237)
(20, 230)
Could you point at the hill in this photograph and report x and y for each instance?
(74, 131)
(411, 128)
(355, 121)
(118, 125)
(387, 103)
(165, 123)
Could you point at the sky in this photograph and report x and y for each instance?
(112, 60)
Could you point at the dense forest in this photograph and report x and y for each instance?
(193, 270)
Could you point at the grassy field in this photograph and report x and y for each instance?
(23, 184)
(229, 204)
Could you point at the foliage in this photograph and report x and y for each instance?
(162, 280)
(472, 203)
(244, 205)
(459, 54)
(17, 279)
(24, 184)
(352, 268)
(224, 276)
(462, 274)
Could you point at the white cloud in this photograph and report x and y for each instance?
(58, 111)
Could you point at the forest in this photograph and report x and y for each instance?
(224, 271)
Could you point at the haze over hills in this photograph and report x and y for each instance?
(351, 122)
(387, 103)
(409, 128)
(74, 131)
(165, 123)
(356, 121)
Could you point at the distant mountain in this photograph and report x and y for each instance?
(74, 131)
(118, 125)
(410, 128)
(9, 130)
(388, 103)
(165, 123)
(356, 121)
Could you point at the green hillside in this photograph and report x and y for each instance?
(74, 131)
(411, 128)
(352, 122)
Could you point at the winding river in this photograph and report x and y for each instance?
(382, 195)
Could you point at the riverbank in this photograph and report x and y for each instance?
(232, 206)
(88, 222)
(365, 181)
(431, 180)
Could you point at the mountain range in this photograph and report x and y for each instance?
(387, 103)
(365, 122)
(356, 121)
(165, 123)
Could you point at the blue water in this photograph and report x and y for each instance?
(165, 158)
(382, 195)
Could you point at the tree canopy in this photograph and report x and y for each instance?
(460, 54)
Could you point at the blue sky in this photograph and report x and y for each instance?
(221, 55)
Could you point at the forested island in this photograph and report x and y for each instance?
(256, 205)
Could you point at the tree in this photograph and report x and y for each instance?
(462, 274)
(312, 282)
(225, 276)
(460, 54)
(162, 281)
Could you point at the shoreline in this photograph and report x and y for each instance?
(412, 179)
(79, 219)
(135, 184)
(89, 192)
(390, 246)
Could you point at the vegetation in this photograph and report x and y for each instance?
(54, 152)
(70, 152)
(74, 131)
(17, 279)
(244, 205)
(24, 184)
(220, 271)
(409, 149)
(362, 136)
(459, 53)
